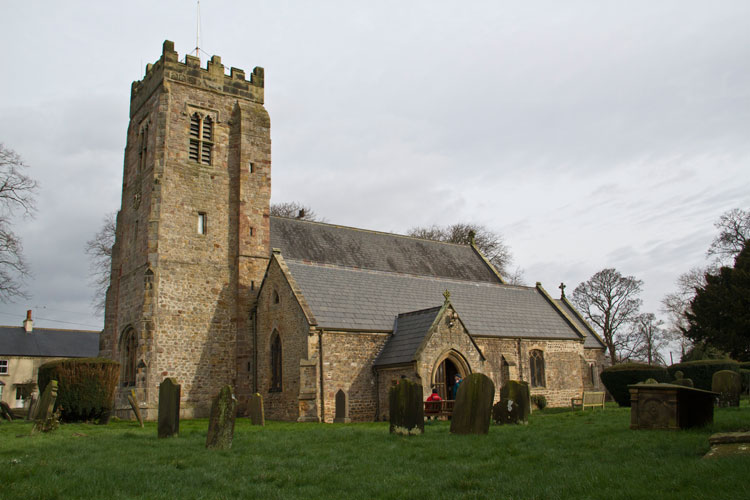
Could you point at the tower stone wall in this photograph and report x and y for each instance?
(192, 238)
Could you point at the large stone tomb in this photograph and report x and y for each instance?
(669, 406)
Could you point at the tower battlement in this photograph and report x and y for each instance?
(190, 72)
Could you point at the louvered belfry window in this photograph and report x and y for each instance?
(201, 139)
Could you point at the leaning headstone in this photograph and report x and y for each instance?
(257, 417)
(134, 405)
(473, 407)
(32, 408)
(406, 410)
(169, 408)
(45, 419)
(5, 411)
(221, 421)
(514, 405)
(729, 386)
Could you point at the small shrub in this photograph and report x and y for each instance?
(86, 386)
(617, 378)
(539, 401)
(701, 372)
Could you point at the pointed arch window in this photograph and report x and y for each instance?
(143, 149)
(128, 357)
(275, 362)
(201, 139)
(536, 365)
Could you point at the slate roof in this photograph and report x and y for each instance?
(408, 333)
(48, 342)
(359, 248)
(592, 339)
(355, 299)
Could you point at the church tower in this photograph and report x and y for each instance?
(192, 238)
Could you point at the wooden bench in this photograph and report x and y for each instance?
(589, 399)
(442, 408)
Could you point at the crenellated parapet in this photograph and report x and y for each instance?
(213, 77)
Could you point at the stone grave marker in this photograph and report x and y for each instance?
(134, 405)
(221, 421)
(5, 411)
(729, 444)
(257, 416)
(169, 408)
(514, 405)
(406, 410)
(32, 408)
(729, 386)
(669, 406)
(679, 379)
(473, 407)
(45, 419)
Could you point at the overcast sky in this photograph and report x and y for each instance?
(589, 134)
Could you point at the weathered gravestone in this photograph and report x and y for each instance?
(729, 386)
(514, 405)
(45, 419)
(134, 406)
(257, 416)
(221, 421)
(669, 406)
(473, 408)
(32, 408)
(5, 411)
(679, 379)
(406, 410)
(169, 408)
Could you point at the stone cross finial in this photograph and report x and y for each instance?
(447, 295)
(562, 288)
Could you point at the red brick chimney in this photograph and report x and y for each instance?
(28, 325)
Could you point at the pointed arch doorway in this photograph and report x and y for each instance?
(443, 375)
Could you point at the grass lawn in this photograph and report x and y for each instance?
(560, 454)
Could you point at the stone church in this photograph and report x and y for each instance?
(320, 319)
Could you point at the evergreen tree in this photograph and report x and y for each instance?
(720, 312)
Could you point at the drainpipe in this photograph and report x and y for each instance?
(255, 349)
(322, 389)
(520, 364)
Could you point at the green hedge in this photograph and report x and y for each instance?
(617, 378)
(701, 372)
(745, 374)
(86, 386)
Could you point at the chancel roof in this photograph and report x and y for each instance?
(592, 339)
(48, 342)
(358, 248)
(357, 299)
(409, 331)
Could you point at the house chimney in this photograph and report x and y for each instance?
(28, 325)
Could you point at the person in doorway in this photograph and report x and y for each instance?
(432, 408)
(456, 384)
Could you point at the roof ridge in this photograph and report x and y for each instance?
(392, 273)
(37, 329)
(372, 231)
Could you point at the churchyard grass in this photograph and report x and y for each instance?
(560, 454)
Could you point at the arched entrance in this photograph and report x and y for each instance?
(443, 375)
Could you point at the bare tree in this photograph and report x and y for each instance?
(99, 250)
(17, 192)
(294, 210)
(677, 303)
(734, 233)
(610, 301)
(488, 242)
(647, 339)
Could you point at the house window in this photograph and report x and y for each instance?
(202, 223)
(3, 366)
(275, 362)
(536, 365)
(127, 357)
(24, 391)
(201, 139)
